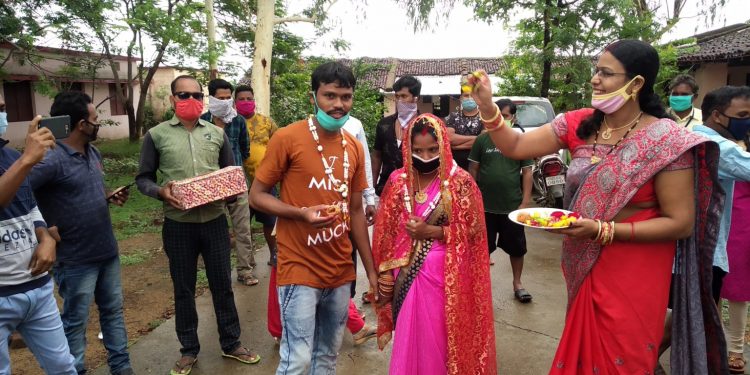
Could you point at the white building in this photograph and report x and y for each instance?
(30, 79)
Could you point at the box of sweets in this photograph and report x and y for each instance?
(210, 187)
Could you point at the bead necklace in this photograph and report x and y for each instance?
(607, 134)
(338, 185)
(595, 159)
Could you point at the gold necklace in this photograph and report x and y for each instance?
(607, 134)
(421, 196)
(595, 159)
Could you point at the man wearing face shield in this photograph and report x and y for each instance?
(69, 187)
(727, 121)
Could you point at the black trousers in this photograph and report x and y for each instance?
(183, 242)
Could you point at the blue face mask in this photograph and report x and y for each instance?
(738, 127)
(3, 123)
(326, 121)
(468, 104)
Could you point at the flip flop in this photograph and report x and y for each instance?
(243, 355)
(183, 367)
(522, 295)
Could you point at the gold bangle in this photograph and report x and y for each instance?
(489, 121)
(612, 236)
(598, 232)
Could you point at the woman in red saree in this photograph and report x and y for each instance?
(430, 246)
(649, 191)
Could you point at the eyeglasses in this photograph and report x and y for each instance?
(183, 95)
(606, 73)
(92, 124)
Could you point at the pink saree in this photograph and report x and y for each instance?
(443, 320)
(420, 329)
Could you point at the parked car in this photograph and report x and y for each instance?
(548, 173)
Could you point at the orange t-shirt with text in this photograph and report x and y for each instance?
(319, 258)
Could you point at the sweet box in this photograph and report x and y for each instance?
(210, 187)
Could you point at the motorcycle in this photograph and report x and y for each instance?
(548, 175)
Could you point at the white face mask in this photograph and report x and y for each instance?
(222, 108)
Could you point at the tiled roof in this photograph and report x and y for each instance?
(731, 42)
(379, 76)
(447, 67)
(384, 71)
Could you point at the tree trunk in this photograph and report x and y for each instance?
(546, 53)
(213, 69)
(261, 70)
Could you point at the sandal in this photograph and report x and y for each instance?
(243, 355)
(522, 295)
(365, 298)
(367, 332)
(736, 363)
(248, 279)
(183, 366)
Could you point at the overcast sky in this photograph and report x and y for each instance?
(382, 29)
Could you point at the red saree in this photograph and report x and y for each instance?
(468, 302)
(617, 295)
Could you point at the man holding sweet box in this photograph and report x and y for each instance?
(181, 148)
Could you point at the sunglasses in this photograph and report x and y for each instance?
(182, 95)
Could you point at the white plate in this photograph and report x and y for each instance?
(543, 211)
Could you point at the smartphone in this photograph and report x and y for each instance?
(58, 125)
(126, 187)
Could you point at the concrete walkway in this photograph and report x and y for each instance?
(526, 334)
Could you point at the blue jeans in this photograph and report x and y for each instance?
(313, 322)
(34, 314)
(78, 285)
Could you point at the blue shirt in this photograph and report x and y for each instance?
(69, 188)
(734, 164)
(237, 133)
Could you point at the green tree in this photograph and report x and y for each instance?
(559, 38)
(262, 18)
(153, 29)
(291, 95)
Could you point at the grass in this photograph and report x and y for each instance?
(133, 259)
(141, 214)
(201, 279)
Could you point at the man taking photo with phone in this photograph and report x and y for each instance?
(69, 186)
(27, 252)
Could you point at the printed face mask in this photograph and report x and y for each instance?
(425, 166)
(610, 103)
(222, 108)
(406, 112)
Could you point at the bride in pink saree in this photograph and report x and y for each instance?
(430, 246)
